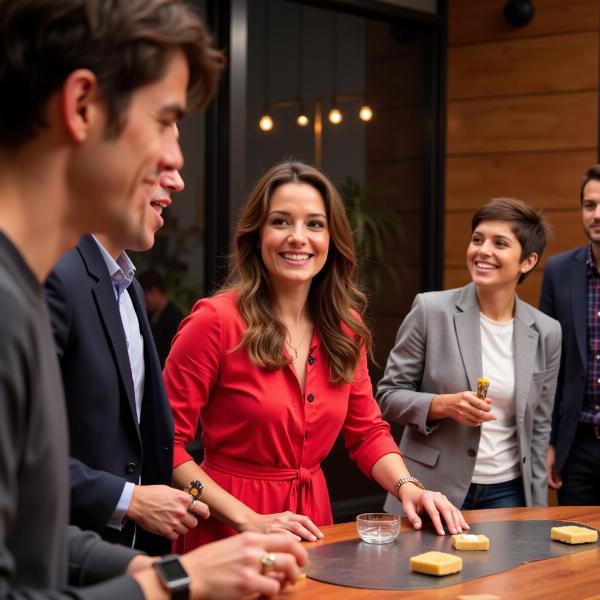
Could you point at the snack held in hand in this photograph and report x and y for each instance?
(436, 563)
(572, 534)
(470, 541)
(483, 385)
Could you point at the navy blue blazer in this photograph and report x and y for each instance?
(563, 297)
(108, 447)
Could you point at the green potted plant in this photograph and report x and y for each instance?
(375, 227)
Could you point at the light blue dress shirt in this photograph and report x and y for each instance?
(121, 273)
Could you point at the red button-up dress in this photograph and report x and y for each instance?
(263, 439)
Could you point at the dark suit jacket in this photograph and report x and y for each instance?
(107, 445)
(563, 297)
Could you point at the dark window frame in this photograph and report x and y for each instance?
(225, 16)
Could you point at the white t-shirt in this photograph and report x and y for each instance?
(498, 454)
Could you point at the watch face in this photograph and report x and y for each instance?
(173, 576)
(173, 570)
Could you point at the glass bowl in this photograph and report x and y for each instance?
(378, 528)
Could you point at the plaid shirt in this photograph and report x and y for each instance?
(590, 411)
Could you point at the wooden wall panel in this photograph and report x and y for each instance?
(522, 118)
(523, 123)
(566, 233)
(472, 21)
(545, 179)
(516, 67)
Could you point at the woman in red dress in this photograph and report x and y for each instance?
(274, 367)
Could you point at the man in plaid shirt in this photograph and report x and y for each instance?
(571, 294)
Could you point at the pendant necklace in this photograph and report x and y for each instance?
(293, 348)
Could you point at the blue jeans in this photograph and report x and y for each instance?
(507, 494)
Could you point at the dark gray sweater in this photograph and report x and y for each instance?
(40, 556)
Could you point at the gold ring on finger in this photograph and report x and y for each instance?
(268, 561)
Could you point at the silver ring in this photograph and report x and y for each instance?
(268, 561)
(191, 506)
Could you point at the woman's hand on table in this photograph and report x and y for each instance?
(299, 526)
(436, 505)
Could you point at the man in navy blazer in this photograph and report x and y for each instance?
(120, 421)
(571, 294)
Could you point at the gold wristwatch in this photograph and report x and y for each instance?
(406, 479)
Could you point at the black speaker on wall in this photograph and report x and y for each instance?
(518, 12)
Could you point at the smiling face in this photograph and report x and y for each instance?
(590, 210)
(124, 181)
(494, 256)
(294, 239)
(140, 237)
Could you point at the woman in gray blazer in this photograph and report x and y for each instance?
(481, 453)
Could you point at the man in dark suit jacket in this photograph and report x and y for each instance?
(571, 294)
(120, 421)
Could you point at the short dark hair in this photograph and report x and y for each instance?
(528, 224)
(151, 279)
(126, 43)
(592, 174)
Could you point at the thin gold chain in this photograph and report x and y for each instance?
(291, 346)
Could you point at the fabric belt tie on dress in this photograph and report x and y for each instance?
(300, 495)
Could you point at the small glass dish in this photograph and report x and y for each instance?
(378, 528)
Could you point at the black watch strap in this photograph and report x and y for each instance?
(173, 576)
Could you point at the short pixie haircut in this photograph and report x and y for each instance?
(127, 44)
(528, 224)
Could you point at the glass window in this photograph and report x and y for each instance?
(311, 60)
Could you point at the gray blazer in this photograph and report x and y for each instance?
(438, 351)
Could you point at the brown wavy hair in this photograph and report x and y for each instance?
(335, 303)
(127, 44)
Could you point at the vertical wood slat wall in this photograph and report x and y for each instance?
(522, 118)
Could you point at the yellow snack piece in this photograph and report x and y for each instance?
(572, 534)
(436, 563)
(470, 541)
(483, 384)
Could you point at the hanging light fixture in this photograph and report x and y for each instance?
(302, 119)
(365, 113)
(335, 114)
(265, 122)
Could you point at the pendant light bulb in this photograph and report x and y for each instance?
(365, 113)
(266, 123)
(335, 116)
(302, 119)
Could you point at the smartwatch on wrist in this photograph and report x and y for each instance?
(173, 576)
